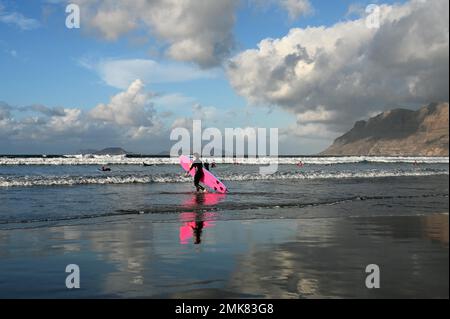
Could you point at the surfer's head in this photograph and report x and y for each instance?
(196, 155)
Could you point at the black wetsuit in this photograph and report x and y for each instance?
(206, 166)
(198, 165)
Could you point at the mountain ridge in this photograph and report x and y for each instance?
(398, 132)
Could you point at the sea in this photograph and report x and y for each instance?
(63, 188)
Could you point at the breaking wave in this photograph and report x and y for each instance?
(126, 160)
(28, 181)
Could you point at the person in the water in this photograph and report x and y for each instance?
(206, 165)
(198, 166)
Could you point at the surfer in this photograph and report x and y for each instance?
(105, 169)
(198, 166)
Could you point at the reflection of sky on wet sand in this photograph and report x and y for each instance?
(328, 257)
(135, 257)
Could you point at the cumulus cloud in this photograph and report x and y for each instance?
(128, 119)
(132, 108)
(318, 115)
(199, 31)
(343, 72)
(120, 73)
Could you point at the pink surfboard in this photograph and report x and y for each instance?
(208, 178)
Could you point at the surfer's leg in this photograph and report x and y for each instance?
(197, 178)
(199, 188)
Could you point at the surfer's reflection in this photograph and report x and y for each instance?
(193, 226)
(197, 231)
(196, 221)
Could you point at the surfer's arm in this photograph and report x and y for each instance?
(190, 169)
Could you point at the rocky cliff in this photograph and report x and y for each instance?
(398, 132)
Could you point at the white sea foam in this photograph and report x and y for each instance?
(123, 160)
(28, 181)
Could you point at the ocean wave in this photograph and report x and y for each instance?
(124, 160)
(28, 181)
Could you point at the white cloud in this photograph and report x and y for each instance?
(205, 113)
(296, 8)
(120, 73)
(348, 69)
(18, 19)
(199, 31)
(112, 23)
(183, 122)
(72, 119)
(309, 130)
(129, 108)
(318, 115)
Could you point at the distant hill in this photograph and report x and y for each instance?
(106, 151)
(398, 132)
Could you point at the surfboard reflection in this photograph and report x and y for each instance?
(193, 225)
(204, 199)
(195, 222)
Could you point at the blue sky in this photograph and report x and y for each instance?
(43, 62)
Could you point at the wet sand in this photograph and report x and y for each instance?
(200, 257)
